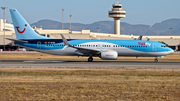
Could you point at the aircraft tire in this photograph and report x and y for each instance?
(156, 60)
(90, 59)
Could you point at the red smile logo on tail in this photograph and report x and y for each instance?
(21, 31)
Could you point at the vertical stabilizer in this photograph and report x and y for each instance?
(22, 29)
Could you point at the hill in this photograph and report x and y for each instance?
(161, 28)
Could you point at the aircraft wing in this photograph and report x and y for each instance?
(79, 49)
(15, 40)
(88, 50)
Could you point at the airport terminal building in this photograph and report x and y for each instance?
(7, 31)
(84, 34)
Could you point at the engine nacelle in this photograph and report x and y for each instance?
(110, 55)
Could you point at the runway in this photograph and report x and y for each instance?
(59, 63)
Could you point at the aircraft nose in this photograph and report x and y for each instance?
(170, 50)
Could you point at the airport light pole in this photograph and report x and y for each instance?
(170, 30)
(4, 8)
(98, 29)
(62, 17)
(70, 23)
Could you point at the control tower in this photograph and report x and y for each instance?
(117, 13)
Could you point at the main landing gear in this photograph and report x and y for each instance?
(90, 59)
(156, 60)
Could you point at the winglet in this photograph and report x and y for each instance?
(140, 37)
(66, 43)
(70, 37)
(64, 40)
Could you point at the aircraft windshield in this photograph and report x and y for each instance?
(163, 46)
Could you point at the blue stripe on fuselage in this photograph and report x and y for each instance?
(138, 45)
(35, 41)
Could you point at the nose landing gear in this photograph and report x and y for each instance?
(156, 60)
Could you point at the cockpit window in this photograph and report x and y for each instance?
(163, 46)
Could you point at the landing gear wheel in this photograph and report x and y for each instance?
(156, 60)
(90, 59)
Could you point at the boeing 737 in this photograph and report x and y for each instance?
(105, 49)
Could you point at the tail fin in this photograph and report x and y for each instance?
(22, 29)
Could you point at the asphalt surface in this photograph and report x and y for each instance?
(59, 63)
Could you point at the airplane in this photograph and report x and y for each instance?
(105, 49)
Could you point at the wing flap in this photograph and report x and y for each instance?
(88, 50)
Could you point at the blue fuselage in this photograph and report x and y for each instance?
(122, 47)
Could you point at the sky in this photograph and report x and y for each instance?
(146, 12)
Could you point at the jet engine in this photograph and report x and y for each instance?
(109, 55)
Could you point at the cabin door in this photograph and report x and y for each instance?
(38, 45)
(154, 47)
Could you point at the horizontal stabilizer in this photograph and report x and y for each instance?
(15, 40)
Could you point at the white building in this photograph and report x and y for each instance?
(8, 26)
